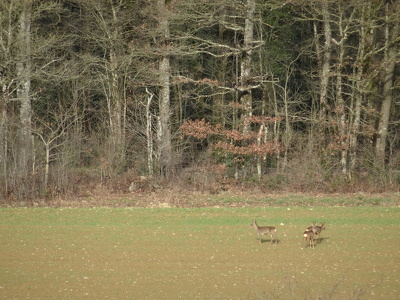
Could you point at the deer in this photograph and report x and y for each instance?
(263, 230)
(317, 229)
(314, 223)
(309, 236)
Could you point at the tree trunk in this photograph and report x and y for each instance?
(389, 67)
(219, 98)
(115, 94)
(340, 101)
(366, 38)
(259, 157)
(6, 37)
(287, 137)
(23, 68)
(47, 165)
(115, 114)
(164, 134)
(149, 134)
(245, 68)
(4, 136)
(326, 64)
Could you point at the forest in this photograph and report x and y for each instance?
(279, 94)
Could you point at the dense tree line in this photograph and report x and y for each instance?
(304, 89)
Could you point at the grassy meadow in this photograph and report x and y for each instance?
(198, 253)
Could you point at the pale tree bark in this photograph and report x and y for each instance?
(326, 64)
(109, 16)
(287, 138)
(389, 64)
(164, 134)
(6, 40)
(219, 97)
(245, 67)
(4, 102)
(260, 136)
(23, 68)
(366, 40)
(149, 134)
(341, 110)
(52, 140)
(246, 98)
(115, 111)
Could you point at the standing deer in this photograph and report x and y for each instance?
(263, 230)
(317, 229)
(309, 236)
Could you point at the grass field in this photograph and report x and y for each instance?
(198, 253)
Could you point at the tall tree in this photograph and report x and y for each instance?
(23, 69)
(164, 131)
(111, 58)
(246, 63)
(6, 79)
(359, 80)
(390, 60)
(326, 61)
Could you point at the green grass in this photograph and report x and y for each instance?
(198, 253)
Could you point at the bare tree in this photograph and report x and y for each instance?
(164, 131)
(149, 133)
(23, 67)
(359, 82)
(107, 30)
(391, 56)
(326, 61)
(246, 62)
(7, 84)
(53, 132)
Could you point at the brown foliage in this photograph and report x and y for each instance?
(233, 141)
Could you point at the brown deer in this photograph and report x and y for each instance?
(309, 237)
(263, 230)
(317, 229)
